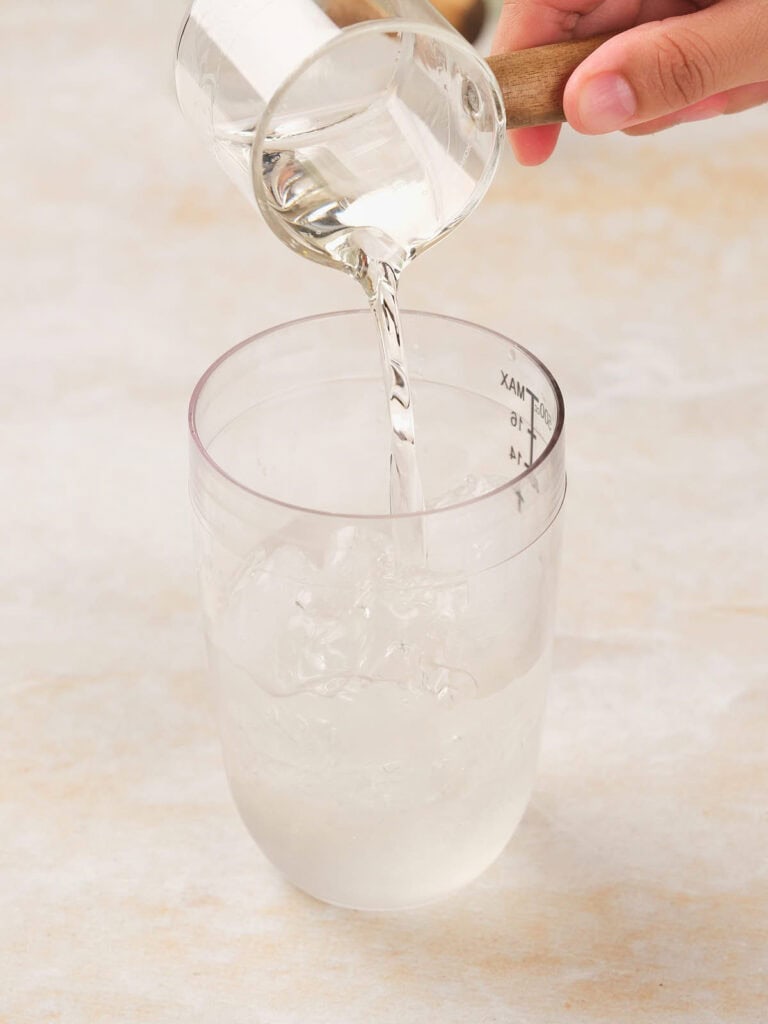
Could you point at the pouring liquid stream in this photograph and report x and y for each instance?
(313, 193)
(336, 201)
(406, 493)
(398, 152)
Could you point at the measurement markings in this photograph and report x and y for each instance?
(531, 431)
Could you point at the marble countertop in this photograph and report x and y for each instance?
(636, 888)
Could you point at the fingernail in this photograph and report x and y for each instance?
(606, 103)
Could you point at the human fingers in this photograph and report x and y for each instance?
(655, 71)
(710, 107)
(731, 102)
(525, 23)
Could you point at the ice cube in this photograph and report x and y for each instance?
(345, 687)
(452, 542)
(315, 645)
(267, 594)
(449, 684)
(399, 663)
(356, 553)
(469, 488)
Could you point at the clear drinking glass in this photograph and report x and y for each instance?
(370, 114)
(380, 717)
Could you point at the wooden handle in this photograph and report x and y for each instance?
(533, 81)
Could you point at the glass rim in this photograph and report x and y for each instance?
(304, 510)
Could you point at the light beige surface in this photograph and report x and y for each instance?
(636, 889)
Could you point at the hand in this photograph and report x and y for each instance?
(705, 57)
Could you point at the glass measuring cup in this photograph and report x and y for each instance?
(380, 722)
(337, 116)
(344, 116)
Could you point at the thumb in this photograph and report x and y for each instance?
(661, 67)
